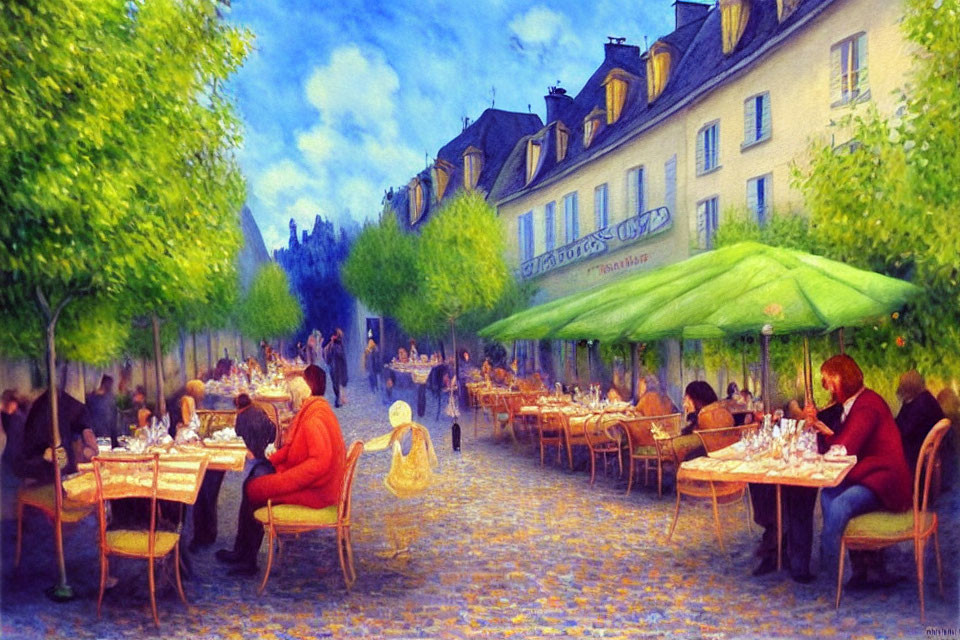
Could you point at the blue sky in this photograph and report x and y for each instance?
(343, 99)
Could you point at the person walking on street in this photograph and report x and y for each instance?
(337, 362)
(371, 361)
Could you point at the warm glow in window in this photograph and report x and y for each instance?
(591, 125)
(659, 61)
(416, 200)
(563, 139)
(534, 151)
(441, 177)
(785, 8)
(617, 84)
(734, 15)
(472, 165)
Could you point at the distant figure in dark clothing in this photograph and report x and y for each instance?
(697, 395)
(371, 362)
(102, 405)
(919, 411)
(310, 351)
(14, 419)
(76, 435)
(257, 431)
(337, 362)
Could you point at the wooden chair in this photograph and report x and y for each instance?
(574, 428)
(711, 440)
(604, 437)
(294, 519)
(550, 430)
(42, 497)
(643, 446)
(122, 477)
(486, 405)
(881, 529)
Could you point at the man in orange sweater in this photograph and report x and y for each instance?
(307, 470)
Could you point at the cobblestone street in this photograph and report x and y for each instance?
(500, 547)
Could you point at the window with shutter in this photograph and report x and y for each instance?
(571, 218)
(601, 216)
(415, 191)
(659, 62)
(441, 177)
(550, 226)
(707, 222)
(670, 184)
(756, 119)
(708, 154)
(848, 70)
(635, 188)
(734, 15)
(472, 166)
(591, 125)
(563, 139)
(616, 84)
(759, 198)
(525, 236)
(534, 150)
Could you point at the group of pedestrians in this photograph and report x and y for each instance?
(333, 353)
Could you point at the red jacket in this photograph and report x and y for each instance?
(310, 466)
(870, 433)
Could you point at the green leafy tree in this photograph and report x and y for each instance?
(382, 265)
(887, 200)
(116, 181)
(269, 310)
(460, 260)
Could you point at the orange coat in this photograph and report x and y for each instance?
(310, 466)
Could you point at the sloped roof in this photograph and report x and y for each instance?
(494, 133)
(699, 68)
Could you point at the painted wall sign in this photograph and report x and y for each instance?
(634, 229)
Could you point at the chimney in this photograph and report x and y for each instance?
(687, 12)
(617, 52)
(557, 100)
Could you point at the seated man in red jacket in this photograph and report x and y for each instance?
(307, 470)
(881, 478)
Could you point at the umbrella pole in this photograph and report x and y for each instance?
(807, 373)
(681, 368)
(840, 337)
(634, 371)
(743, 354)
(765, 334)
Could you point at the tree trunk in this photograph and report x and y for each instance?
(158, 357)
(456, 360)
(634, 371)
(196, 366)
(61, 591)
(209, 350)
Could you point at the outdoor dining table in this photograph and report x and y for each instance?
(729, 465)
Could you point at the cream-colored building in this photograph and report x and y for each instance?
(659, 147)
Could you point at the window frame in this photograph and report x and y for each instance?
(571, 218)
(710, 232)
(526, 243)
(702, 162)
(863, 85)
(639, 198)
(747, 144)
(761, 217)
(603, 188)
(550, 226)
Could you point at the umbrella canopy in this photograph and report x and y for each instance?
(730, 291)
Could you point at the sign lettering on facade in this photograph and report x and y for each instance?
(634, 229)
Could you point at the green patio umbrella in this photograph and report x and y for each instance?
(735, 290)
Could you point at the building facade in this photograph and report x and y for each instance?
(705, 124)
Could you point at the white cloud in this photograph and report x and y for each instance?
(279, 178)
(303, 211)
(541, 27)
(355, 86)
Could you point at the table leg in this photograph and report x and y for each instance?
(779, 531)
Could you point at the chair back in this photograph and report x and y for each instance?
(654, 403)
(346, 486)
(127, 477)
(714, 416)
(212, 421)
(640, 429)
(716, 439)
(925, 465)
(599, 429)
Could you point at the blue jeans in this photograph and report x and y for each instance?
(840, 505)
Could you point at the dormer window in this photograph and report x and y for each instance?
(472, 166)
(441, 177)
(563, 139)
(617, 84)
(415, 189)
(734, 15)
(534, 156)
(659, 63)
(591, 125)
(785, 8)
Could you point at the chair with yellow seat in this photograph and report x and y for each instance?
(139, 477)
(728, 492)
(293, 519)
(42, 497)
(643, 446)
(881, 529)
(604, 435)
